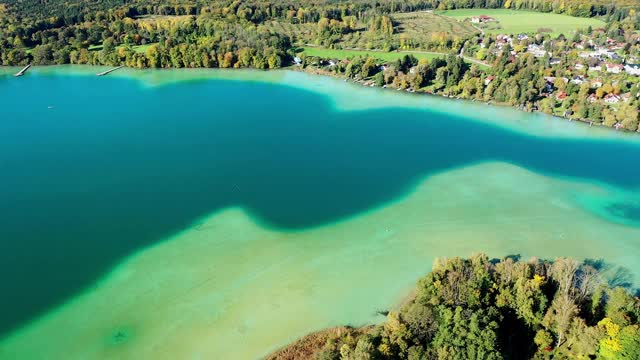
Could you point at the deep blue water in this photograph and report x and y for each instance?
(93, 169)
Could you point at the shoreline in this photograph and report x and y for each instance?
(370, 83)
(148, 75)
(90, 70)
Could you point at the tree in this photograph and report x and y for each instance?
(560, 316)
(379, 78)
(610, 344)
(564, 271)
(630, 343)
(153, 56)
(543, 340)
(621, 307)
(42, 54)
(369, 67)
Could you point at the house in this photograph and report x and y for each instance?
(552, 79)
(598, 53)
(596, 67)
(554, 61)
(481, 19)
(614, 68)
(488, 80)
(592, 98)
(577, 80)
(561, 95)
(632, 69)
(611, 99)
(537, 50)
(596, 83)
(578, 66)
(297, 60)
(522, 37)
(503, 39)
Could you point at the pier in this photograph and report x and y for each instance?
(21, 72)
(109, 71)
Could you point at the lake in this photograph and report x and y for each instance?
(221, 214)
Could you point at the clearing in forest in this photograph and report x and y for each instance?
(514, 22)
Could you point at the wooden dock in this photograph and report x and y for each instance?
(21, 72)
(109, 71)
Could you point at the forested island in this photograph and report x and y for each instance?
(580, 60)
(478, 308)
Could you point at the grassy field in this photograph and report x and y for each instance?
(418, 27)
(344, 54)
(137, 48)
(142, 48)
(515, 22)
(421, 26)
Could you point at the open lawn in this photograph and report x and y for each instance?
(142, 48)
(381, 55)
(515, 22)
(137, 48)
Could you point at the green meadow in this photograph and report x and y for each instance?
(137, 48)
(142, 48)
(513, 22)
(381, 55)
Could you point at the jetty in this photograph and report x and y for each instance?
(21, 72)
(109, 71)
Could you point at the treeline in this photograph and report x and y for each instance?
(203, 41)
(49, 32)
(306, 10)
(479, 308)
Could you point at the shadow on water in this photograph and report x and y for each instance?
(79, 192)
(614, 275)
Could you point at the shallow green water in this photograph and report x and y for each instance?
(143, 214)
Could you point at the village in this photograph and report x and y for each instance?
(591, 75)
(583, 60)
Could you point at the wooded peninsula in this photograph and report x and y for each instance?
(572, 58)
(479, 308)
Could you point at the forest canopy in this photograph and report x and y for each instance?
(479, 308)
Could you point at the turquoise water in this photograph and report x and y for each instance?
(95, 170)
